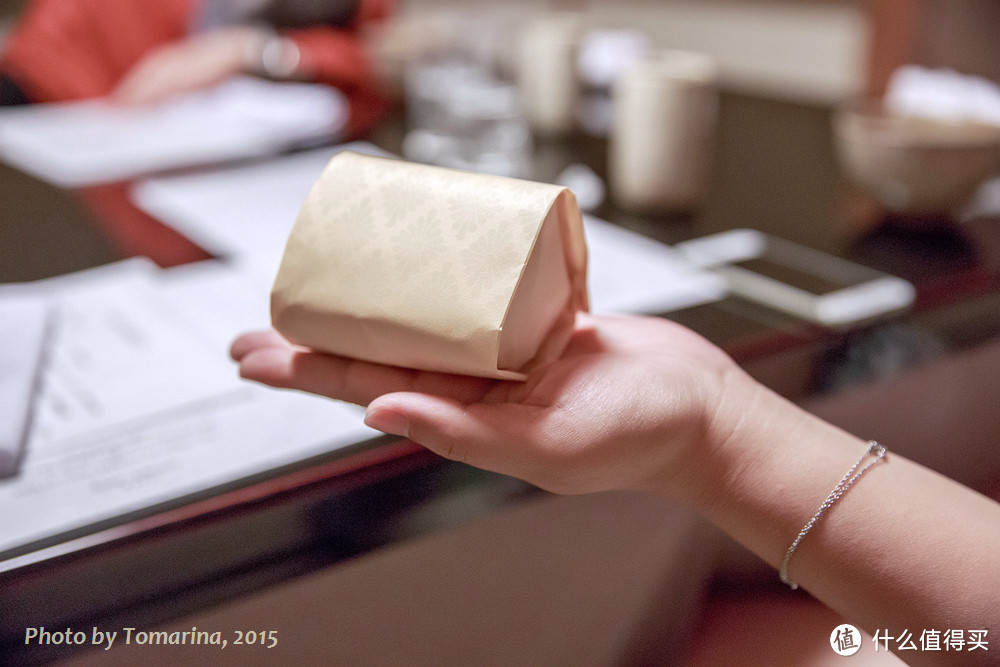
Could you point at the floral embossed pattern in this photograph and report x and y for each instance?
(385, 246)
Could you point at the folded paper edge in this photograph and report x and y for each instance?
(574, 247)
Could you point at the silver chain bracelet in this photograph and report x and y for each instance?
(874, 449)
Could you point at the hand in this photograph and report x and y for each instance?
(644, 404)
(630, 405)
(189, 65)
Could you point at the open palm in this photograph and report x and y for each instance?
(630, 402)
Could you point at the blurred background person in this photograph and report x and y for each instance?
(146, 52)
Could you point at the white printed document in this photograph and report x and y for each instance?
(139, 403)
(23, 331)
(76, 144)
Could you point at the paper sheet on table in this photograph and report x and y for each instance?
(139, 404)
(244, 212)
(633, 274)
(83, 143)
(247, 213)
(23, 329)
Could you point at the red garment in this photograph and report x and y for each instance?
(64, 50)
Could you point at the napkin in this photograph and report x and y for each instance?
(430, 268)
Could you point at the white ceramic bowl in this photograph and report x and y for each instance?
(914, 165)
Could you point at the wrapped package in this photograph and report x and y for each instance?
(434, 269)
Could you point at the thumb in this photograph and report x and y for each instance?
(495, 437)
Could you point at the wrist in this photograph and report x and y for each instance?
(697, 451)
(730, 438)
(768, 467)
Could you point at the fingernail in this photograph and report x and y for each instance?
(388, 421)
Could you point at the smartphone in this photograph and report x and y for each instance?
(802, 281)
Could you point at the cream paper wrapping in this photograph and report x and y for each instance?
(430, 268)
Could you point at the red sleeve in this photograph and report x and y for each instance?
(73, 49)
(374, 10)
(338, 57)
(333, 56)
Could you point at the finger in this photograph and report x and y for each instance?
(135, 88)
(152, 84)
(135, 94)
(498, 437)
(256, 340)
(593, 334)
(355, 381)
(586, 339)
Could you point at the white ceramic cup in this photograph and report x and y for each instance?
(665, 110)
(547, 72)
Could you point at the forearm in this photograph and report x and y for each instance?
(904, 548)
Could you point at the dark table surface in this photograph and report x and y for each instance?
(774, 171)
